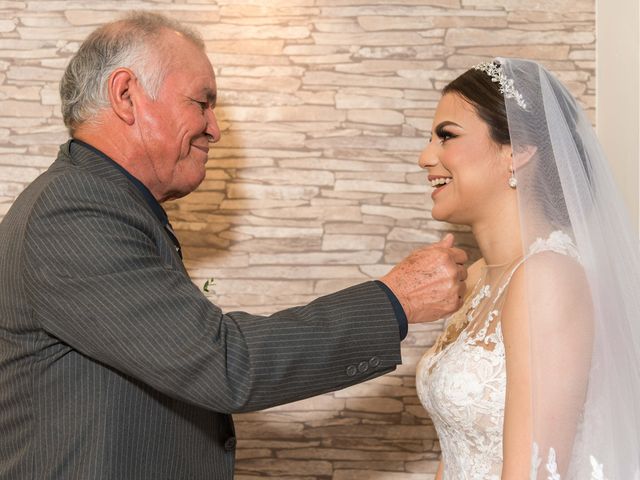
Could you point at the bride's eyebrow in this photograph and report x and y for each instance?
(446, 123)
(438, 128)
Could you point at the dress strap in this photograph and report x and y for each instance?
(557, 242)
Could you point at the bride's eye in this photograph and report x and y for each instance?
(443, 134)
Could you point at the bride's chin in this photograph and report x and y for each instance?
(440, 216)
(449, 217)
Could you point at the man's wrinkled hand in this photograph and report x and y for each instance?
(430, 282)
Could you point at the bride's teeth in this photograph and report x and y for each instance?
(440, 181)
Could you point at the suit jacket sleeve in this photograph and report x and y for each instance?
(103, 278)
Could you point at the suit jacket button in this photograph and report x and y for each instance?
(374, 362)
(230, 444)
(351, 370)
(363, 367)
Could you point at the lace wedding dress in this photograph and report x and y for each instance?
(462, 380)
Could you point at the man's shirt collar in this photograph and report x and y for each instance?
(155, 206)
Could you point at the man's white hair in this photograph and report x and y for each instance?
(131, 42)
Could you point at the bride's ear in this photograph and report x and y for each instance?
(514, 159)
(521, 155)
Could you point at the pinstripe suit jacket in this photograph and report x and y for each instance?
(113, 365)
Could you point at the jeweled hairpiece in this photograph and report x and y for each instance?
(494, 70)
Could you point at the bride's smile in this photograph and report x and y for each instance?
(438, 183)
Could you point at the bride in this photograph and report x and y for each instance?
(538, 374)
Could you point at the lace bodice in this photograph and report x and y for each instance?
(462, 383)
(462, 386)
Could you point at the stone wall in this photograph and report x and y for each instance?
(325, 106)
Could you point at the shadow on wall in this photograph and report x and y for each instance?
(206, 231)
(376, 430)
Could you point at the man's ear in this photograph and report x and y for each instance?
(120, 85)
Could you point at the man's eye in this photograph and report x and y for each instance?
(202, 105)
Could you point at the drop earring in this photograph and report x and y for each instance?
(513, 181)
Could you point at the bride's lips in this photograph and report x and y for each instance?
(439, 183)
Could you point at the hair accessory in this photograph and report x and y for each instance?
(494, 70)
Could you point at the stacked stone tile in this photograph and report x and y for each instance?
(325, 106)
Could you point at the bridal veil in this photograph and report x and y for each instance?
(584, 311)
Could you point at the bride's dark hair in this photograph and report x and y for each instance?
(477, 88)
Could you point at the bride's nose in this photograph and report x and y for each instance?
(428, 157)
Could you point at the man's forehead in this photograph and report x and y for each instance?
(197, 74)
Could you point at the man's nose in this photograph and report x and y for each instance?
(213, 129)
(428, 157)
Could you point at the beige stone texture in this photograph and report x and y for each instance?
(461, 37)
(351, 242)
(325, 106)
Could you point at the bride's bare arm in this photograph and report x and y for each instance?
(440, 471)
(516, 442)
(547, 332)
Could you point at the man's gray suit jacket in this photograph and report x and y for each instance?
(113, 365)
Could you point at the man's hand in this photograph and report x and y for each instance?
(430, 282)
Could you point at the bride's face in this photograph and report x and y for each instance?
(467, 169)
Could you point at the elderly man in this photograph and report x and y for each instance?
(113, 365)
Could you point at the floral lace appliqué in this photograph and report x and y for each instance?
(597, 469)
(463, 386)
(558, 242)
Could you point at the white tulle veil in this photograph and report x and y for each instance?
(585, 325)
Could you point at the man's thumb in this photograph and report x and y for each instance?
(446, 241)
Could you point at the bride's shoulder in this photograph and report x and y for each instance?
(553, 264)
(553, 286)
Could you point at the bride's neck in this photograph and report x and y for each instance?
(499, 238)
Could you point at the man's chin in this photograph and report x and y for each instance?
(195, 175)
(185, 189)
